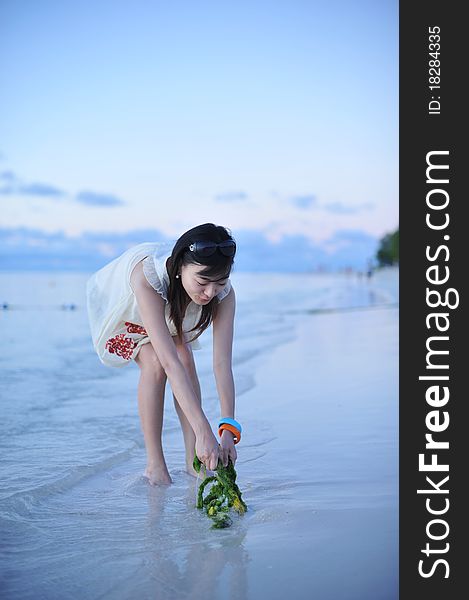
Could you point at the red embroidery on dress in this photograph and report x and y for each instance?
(134, 328)
(121, 345)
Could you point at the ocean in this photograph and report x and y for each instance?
(78, 520)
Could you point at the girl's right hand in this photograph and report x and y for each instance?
(207, 449)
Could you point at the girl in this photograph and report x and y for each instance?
(150, 305)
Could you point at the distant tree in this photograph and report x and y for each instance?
(388, 251)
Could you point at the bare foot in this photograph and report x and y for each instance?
(158, 476)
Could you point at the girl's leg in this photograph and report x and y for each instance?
(151, 388)
(187, 359)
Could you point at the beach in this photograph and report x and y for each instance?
(330, 527)
(316, 376)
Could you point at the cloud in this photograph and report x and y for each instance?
(8, 176)
(235, 196)
(5, 190)
(351, 235)
(351, 247)
(95, 199)
(303, 202)
(22, 248)
(339, 208)
(39, 189)
(7, 181)
(14, 185)
(298, 254)
(11, 184)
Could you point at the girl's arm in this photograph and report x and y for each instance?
(223, 326)
(152, 310)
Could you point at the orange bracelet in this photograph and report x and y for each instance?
(233, 430)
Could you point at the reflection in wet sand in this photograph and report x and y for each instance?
(196, 561)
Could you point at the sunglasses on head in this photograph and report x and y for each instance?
(227, 248)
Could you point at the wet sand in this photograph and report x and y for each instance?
(331, 525)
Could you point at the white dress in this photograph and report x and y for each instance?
(116, 325)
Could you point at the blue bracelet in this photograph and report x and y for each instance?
(233, 422)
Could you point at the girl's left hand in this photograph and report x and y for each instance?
(227, 448)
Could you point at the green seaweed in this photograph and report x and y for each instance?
(223, 495)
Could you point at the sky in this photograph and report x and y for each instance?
(277, 119)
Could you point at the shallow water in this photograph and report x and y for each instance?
(77, 517)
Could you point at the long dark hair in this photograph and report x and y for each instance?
(216, 266)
